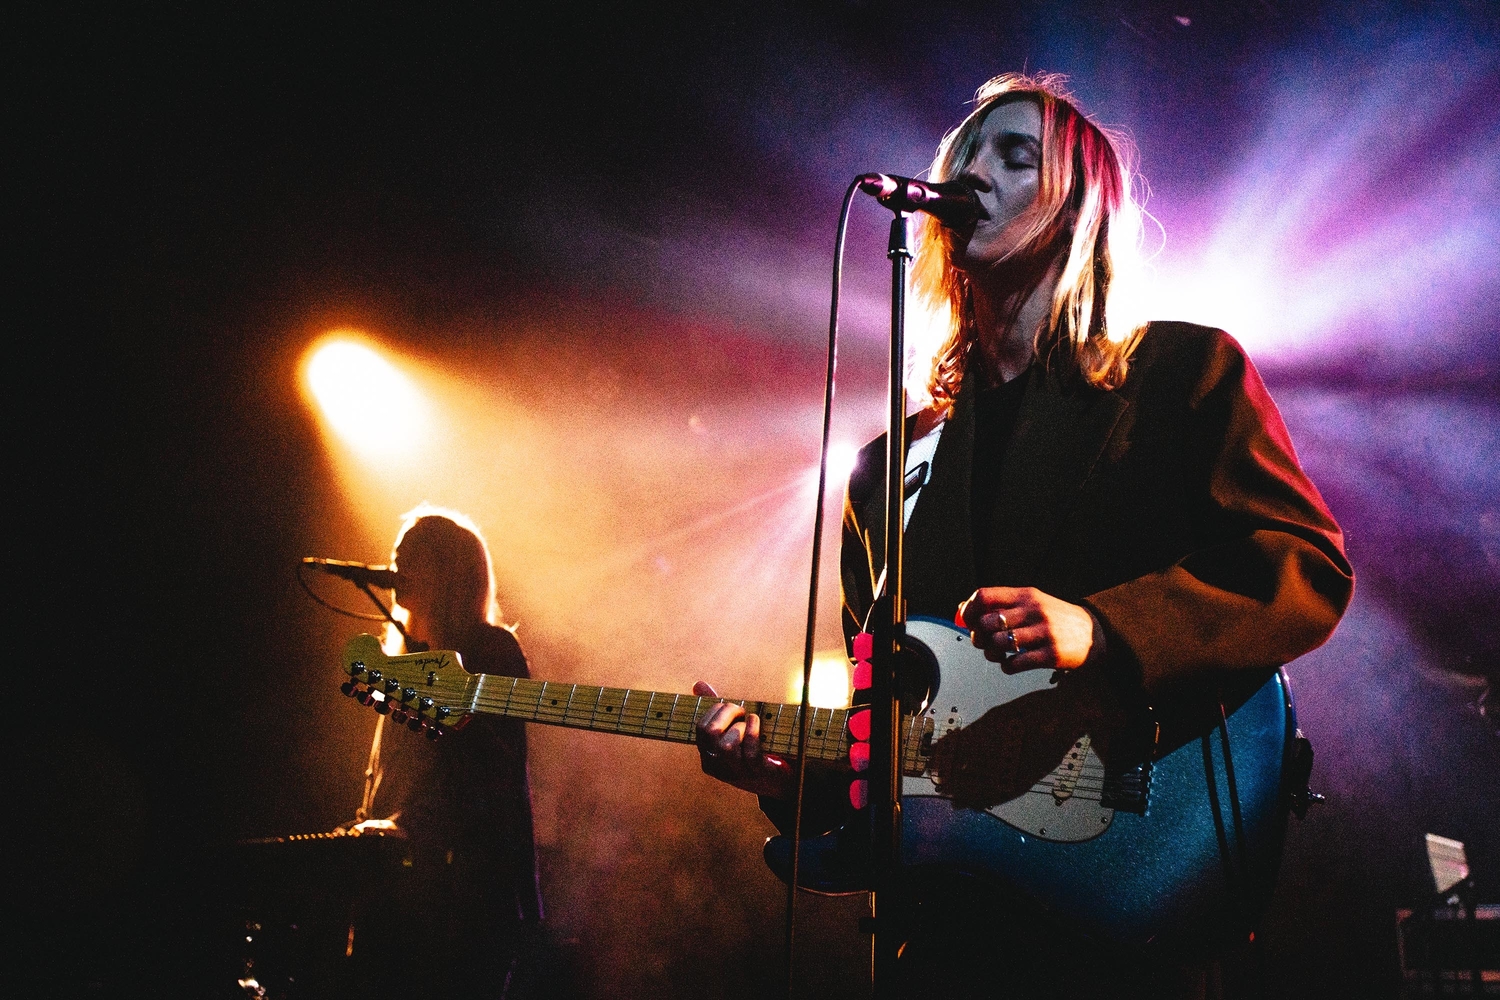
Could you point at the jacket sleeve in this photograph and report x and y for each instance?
(1267, 579)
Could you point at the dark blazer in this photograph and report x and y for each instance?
(1174, 508)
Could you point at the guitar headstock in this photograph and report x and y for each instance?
(424, 691)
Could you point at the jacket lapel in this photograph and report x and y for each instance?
(1058, 438)
(939, 554)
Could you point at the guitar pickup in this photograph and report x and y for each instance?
(1127, 790)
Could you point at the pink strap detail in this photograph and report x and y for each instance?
(863, 677)
(864, 646)
(859, 756)
(859, 793)
(859, 724)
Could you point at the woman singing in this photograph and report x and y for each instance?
(1109, 498)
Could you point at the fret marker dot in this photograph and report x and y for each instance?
(658, 715)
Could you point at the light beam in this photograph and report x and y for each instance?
(369, 403)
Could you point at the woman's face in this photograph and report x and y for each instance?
(415, 586)
(1005, 173)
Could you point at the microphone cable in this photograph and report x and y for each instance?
(812, 587)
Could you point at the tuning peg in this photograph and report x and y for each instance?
(415, 723)
(398, 716)
(349, 688)
(434, 733)
(383, 706)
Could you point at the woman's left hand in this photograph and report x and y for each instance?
(1027, 629)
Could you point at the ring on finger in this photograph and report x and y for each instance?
(1011, 641)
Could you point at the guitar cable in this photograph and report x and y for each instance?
(812, 587)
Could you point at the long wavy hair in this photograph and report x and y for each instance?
(1085, 218)
(450, 544)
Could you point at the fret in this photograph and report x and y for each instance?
(537, 707)
(523, 693)
(594, 712)
(624, 704)
(609, 701)
(505, 709)
(546, 698)
(818, 731)
(769, 737)
(910, 747)
(644, 728)
(646, 717)
(672, 715)
(789, 732)
(697, 711)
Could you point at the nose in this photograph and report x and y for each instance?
(972, 180)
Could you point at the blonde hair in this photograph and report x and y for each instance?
(451, 543)
(1084, 216)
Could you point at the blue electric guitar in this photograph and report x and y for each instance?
(1019, 778)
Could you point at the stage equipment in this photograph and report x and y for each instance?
(953, 203)
(315, 915)
(1451, 945)
(364, 577)
(360, 574)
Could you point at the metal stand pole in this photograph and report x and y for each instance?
(888, 625)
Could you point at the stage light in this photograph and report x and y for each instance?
(842, 458)
(830, 682)
(368, 402)
(1362, 216)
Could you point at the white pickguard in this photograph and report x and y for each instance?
(1063, 807)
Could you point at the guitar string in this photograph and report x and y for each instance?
(640, 723)
(640, 719)
(1079, 789)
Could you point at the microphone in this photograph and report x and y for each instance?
(357, 573)
(953, 203)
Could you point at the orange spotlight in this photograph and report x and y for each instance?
(368, 402)
(830, 682)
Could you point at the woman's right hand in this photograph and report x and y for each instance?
(729, 749)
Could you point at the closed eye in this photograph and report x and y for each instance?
(1019, 150)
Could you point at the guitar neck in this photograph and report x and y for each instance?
(652, 715)
(433, 687)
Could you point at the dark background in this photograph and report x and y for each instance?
(602, 224)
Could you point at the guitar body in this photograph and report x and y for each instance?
(1195, 868)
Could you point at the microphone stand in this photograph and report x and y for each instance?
(888, 912)
(411, 645)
